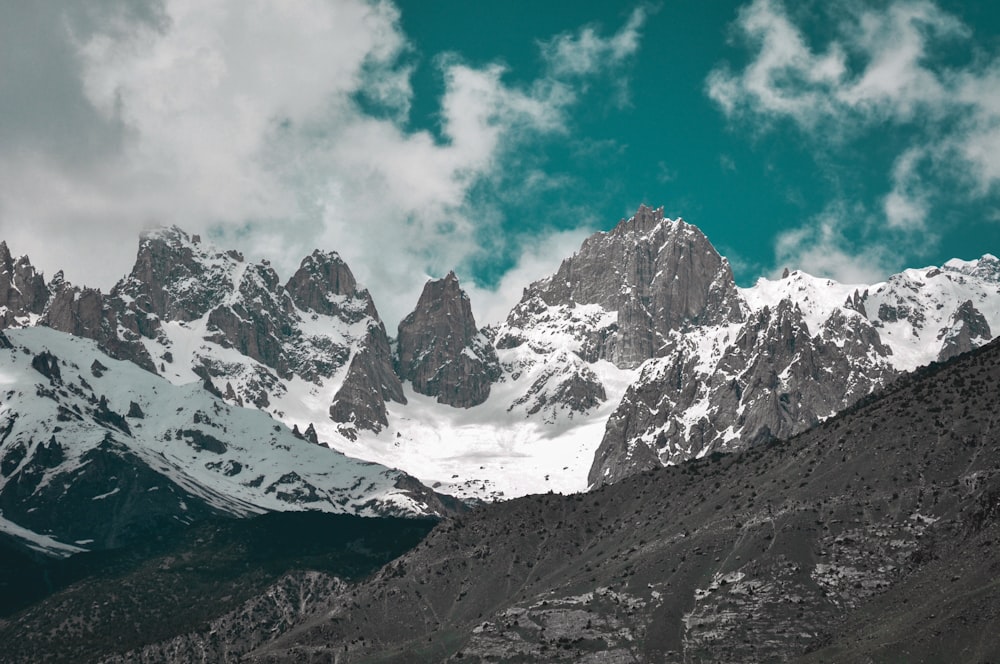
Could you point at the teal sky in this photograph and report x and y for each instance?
(848, 139)
(650, 133)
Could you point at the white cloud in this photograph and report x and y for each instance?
(787, 78)
(821, 248)
(879, 72)
(240, 117)
(584, 52)
(906, 205)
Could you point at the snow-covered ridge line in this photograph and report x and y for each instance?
(647, 309)
(116, 446)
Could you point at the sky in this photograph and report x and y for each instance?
(848, 139)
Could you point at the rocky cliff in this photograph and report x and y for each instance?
(441, 351)
(808, 349)
(23, 293)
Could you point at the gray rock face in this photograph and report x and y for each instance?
(575, 387)
(78, 311)
(172, 280)
(86, 312)
(441, 351)
(259, 322)
(773, 380)
(324, 284)
(370, 382)
(967, 329)
(658, 276)
(22, 289)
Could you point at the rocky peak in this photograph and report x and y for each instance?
(86, 312)
(324, 284)
(987, 267)
(22, 289)
(370, 382)
(440, 349)
(78, 311)
(967, 328)
(257, 319)
(658, 275)
(176, 278)
(645, 220)
(856, 302)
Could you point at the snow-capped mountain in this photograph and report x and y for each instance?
(95, 451)
(807, 349)
(640, 350)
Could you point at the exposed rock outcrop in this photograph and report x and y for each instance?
(258, 320)
(771, 380)
(370, 382)
(174, 278)
(324, 284)
(654, 274)
(22, 289)
(87, 313)
(440, 349)
(967, 329)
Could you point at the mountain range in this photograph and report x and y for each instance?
(639, 351)
(871, 537)
(699, 417)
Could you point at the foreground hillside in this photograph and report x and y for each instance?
(870, 536)
(114, 601)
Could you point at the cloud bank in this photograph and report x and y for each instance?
(884, 68)
(276, 127)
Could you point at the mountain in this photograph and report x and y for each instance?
(639, 351)
(441, 351)
(808, 349)
(759, 458)
(871, 537)
(96, 453)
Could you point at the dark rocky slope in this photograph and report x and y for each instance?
(187, 579)
(782, 549)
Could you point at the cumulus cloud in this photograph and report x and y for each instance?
(821, 247)
(585, 51)
(277, 127)
(881, 70)
(788, 78)
(906, 205)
